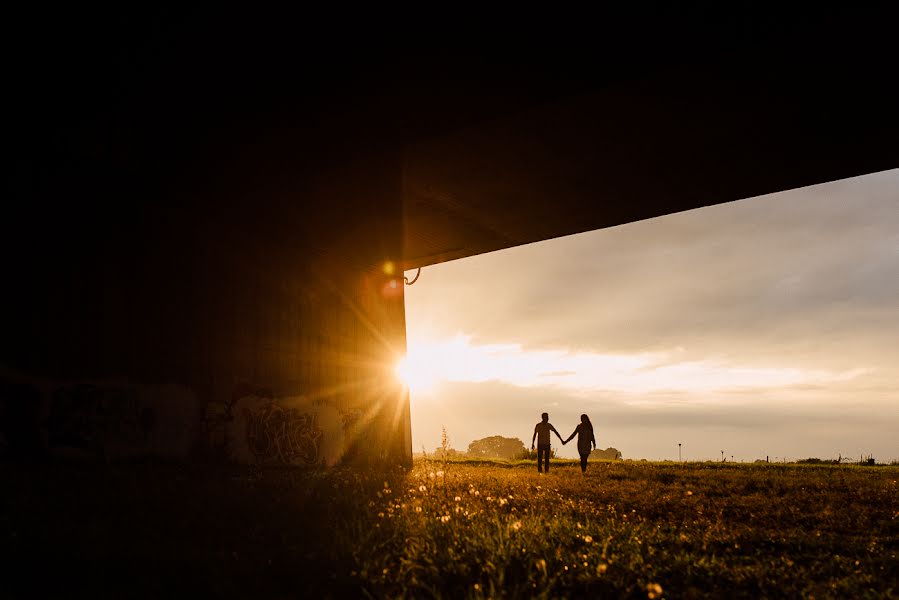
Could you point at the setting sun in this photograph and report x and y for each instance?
(414, 376)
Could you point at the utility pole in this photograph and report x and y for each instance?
(722, 456)
(679, 459)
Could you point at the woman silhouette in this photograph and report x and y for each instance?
(585, 439)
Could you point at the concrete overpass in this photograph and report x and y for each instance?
(208, 216)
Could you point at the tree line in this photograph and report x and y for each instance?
(497, 446)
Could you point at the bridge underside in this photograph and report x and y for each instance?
(205, 259)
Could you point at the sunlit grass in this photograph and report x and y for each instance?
(632, 529)
(457, 529)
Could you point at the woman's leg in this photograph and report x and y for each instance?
(584, 463)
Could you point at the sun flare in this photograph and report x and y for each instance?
(413, 376)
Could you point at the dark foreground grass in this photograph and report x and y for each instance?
(641, 530)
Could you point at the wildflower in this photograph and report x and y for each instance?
(653, 590)
(380, 515)
(422, 488)
(541, 565)
(689, 493)
(503, 501)
(516, 525)
(458, 498)
(439, 473)
(477, 587)
(588, 539)
(601, 568)
(418, 509)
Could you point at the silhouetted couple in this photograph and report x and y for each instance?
(585, 439)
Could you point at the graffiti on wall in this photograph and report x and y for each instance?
(283, 435)
(106, 419)
(289, 430)
(92, 417)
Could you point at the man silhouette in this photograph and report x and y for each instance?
(541, 434)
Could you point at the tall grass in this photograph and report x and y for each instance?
(453, 529)
(632, 529)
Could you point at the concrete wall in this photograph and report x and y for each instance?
(210, 322)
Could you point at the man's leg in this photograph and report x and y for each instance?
(539, 459)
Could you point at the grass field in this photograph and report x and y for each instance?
(457, 529)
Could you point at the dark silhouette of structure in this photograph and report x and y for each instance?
(541, 434)
(207, 216)
(586, 441)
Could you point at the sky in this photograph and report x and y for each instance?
(763, 327)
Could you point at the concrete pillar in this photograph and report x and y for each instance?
(259, 324)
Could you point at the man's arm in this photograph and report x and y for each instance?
(553, 429)
(534, 438)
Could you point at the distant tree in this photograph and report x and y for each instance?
(439, 450)
(496, 446)
(607, 454)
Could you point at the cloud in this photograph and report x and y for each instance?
(774, 317)
(458, 359)
(755, 278)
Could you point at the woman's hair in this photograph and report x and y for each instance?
(586, 419)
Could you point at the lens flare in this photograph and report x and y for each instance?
(416, 379)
